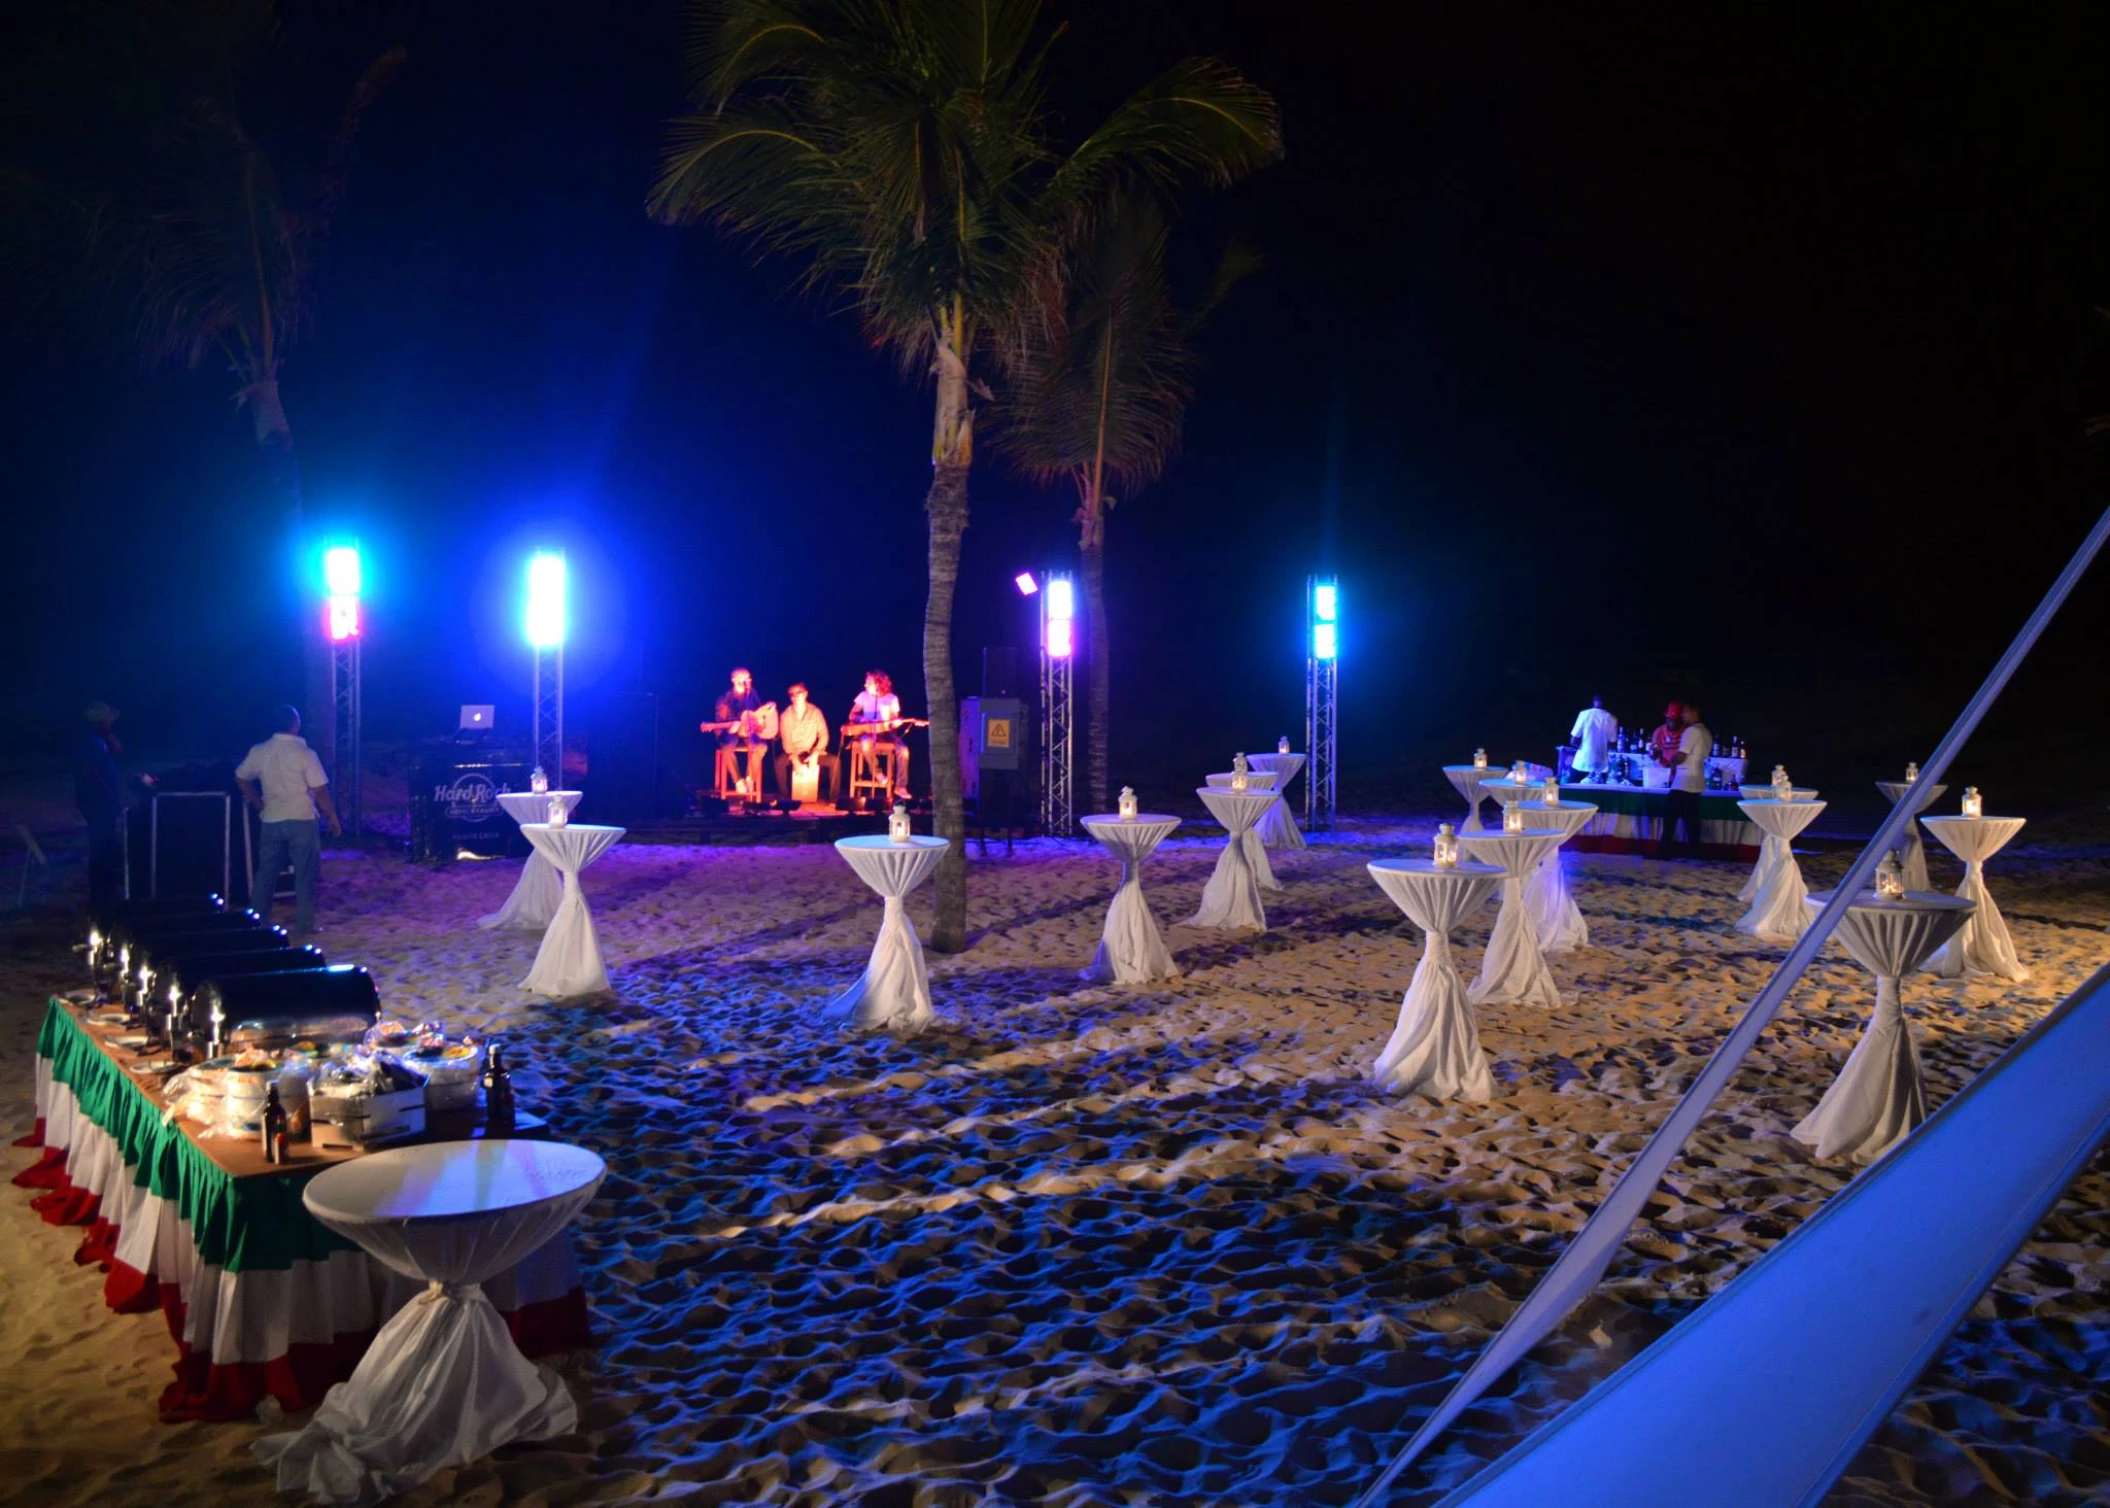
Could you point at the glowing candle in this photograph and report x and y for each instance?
(897, 824)
(1238, 772)
(538, 782)
(1282, 744)
(1890, 880)
(1519, 774)
(1551, 795)
(1513, 817)
(1973, 803)
(558, 816)
(1912, 772)
(1479, 759)
(1128, 804)
(1446, 854)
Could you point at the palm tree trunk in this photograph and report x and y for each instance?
(1098, 736)
(947, 505)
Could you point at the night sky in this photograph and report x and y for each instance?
(1726, 350)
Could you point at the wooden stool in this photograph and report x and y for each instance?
(727, 775)
(872, 769)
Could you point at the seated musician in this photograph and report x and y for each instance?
(803, 743)
(878, 704)
(740, 735)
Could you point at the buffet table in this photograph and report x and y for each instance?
(1630, 820)
(259, 1297)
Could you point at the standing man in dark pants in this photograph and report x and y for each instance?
(284, 784)
(1689, 779)
(99, 792)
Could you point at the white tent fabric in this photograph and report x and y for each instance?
(1880, 1095)
(1278, 829)
(1435, 1047)
(1575, 1273)
(1912, 853)
(1554, 914)
(1513, 970)
(540, 889)
(569, 961)
(1764, 1395)
(1777, 912)
(442, 1384)
(1131, 949)
(893, 993)
(1231, 899)
(1983, 947)
(1467, 781)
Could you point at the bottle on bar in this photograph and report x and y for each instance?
(275, 1134)
(498, 1091)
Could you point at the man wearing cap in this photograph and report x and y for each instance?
(98, 791)
(284, 784)
(1664, 742)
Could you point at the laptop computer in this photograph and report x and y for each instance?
(476, 717)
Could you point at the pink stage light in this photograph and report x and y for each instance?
(1027, 586)
(1061, 642)
(341, 618)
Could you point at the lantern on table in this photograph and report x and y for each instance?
(1518, 774)
(1912, 772)
(1282, 744)
(558, 816)
(1480, 759)
(1890, 879)
(1239, 769)
(538, 782)
(1128, 804)
(1551, 792)
(1513, 817)
(1973, 803)
(897, 830)
(1446, 853)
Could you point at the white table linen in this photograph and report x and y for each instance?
(1232, 896)
(442, 1384)
(1508, 792)
(1554, 914)
(1911, 852)
(1880, 1094)
(1255, 850)
(1131, 949)
(1434, 1049)
(1468, 781)
(1278, 829)
(540, 889)
(893, 993)
(1749, 889)
(1984, 946)
(1776, 890)
(569, 961)
(1514, 969)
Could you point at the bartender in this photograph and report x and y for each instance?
(1664, 742)
(1593, 733)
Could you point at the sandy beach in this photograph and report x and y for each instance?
(1083, 1245)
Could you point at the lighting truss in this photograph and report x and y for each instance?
(1321, 698)
(344, 712)
(1058, 643)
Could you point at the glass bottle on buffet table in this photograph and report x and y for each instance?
(275, 1126)
(498, 1090)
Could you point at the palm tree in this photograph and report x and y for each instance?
(901, 152)
(1099, 380)
(152, 180)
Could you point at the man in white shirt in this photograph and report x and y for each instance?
(1686, 782)
(284, 783)
(1593, 733)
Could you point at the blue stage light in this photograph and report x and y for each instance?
(340, 570)
(1061, 610)
(1324, 598)
(1322, 641)
(1325, 613)
(546, 606)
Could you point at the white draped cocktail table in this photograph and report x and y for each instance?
(1232, 896)
(1468, 781)
(1911, 852)
(569, 961)
(1514, 970)
(1508, 792)
(1131, 949)
(442, 1384)
(1278, 829)
(1554, 915)
(540, 889)
(1255, 850)
(1434, 1049)
(1777, 893)
(1879, 1095)
(1983, 947)
(893, 993)
(1749, 889)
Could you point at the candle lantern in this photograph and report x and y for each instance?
(1519, 774)
(1551, 794)
(1479, 759)
(1513, 817)
(1446, 854)
(558, 816)
(897, 824)
(1239, 769)
(1973, 803)
(1912, 772)
(1282, 744)
(538, 782)
(1128, 804)
(1890, 879)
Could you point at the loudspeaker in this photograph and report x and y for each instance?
(193, 846)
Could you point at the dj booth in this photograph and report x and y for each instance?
(454, 810)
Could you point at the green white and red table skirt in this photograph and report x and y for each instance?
(1631, 821)
(259, 1297)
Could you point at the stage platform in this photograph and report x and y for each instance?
(780, 829)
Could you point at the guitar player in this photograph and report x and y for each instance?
(746, 725)
(878, 704)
